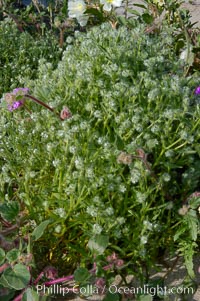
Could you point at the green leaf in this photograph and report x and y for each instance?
(17, 277)
(19, 97)
(6, 294)
(133, 11)
(188, 55)
(192, 221)
(43, 93)
(4, 282)
(2, 256)
(140, 5)
(148, 19)
(179, 232)
(39, 230)
(12, 255)
(95, 12)
(98, 243)
(30, 295)
(111, 297)
(188, 257)
(122, 20)
(187, 250)
(9, 211)
(81, 275)
(194, 202)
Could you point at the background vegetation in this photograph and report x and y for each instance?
(107, 182)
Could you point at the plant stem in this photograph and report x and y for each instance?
(63, 279)
(71, 277)
(41, 103)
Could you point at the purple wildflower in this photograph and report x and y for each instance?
(197, 91)
(16, 98)
(15, 105)
(20, 91)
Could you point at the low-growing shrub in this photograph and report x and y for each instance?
(120, 171)
(21, 53)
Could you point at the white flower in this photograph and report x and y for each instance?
(78, 163)
(109, 211)
(166, 177)
(107, 4)
(82, 20)
(120, 220)
(147, 225)
(135, 176)
(97, 229)
(92, 210)
(122, 188)
(60, 212)
(141, 197)
(58, 229)
(76, 8)
(143, 240)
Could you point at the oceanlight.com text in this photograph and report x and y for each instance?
(114, 289)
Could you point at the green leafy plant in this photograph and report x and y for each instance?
(157, 13)
(21, 55)
(114, 177)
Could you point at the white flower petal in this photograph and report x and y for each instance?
(107, 6)
(82, 20)
(76, 8)
(117, 3)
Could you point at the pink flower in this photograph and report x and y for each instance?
(100, 284)
(119, 263)
(65, 113)
(50, 272)
(115, 260)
